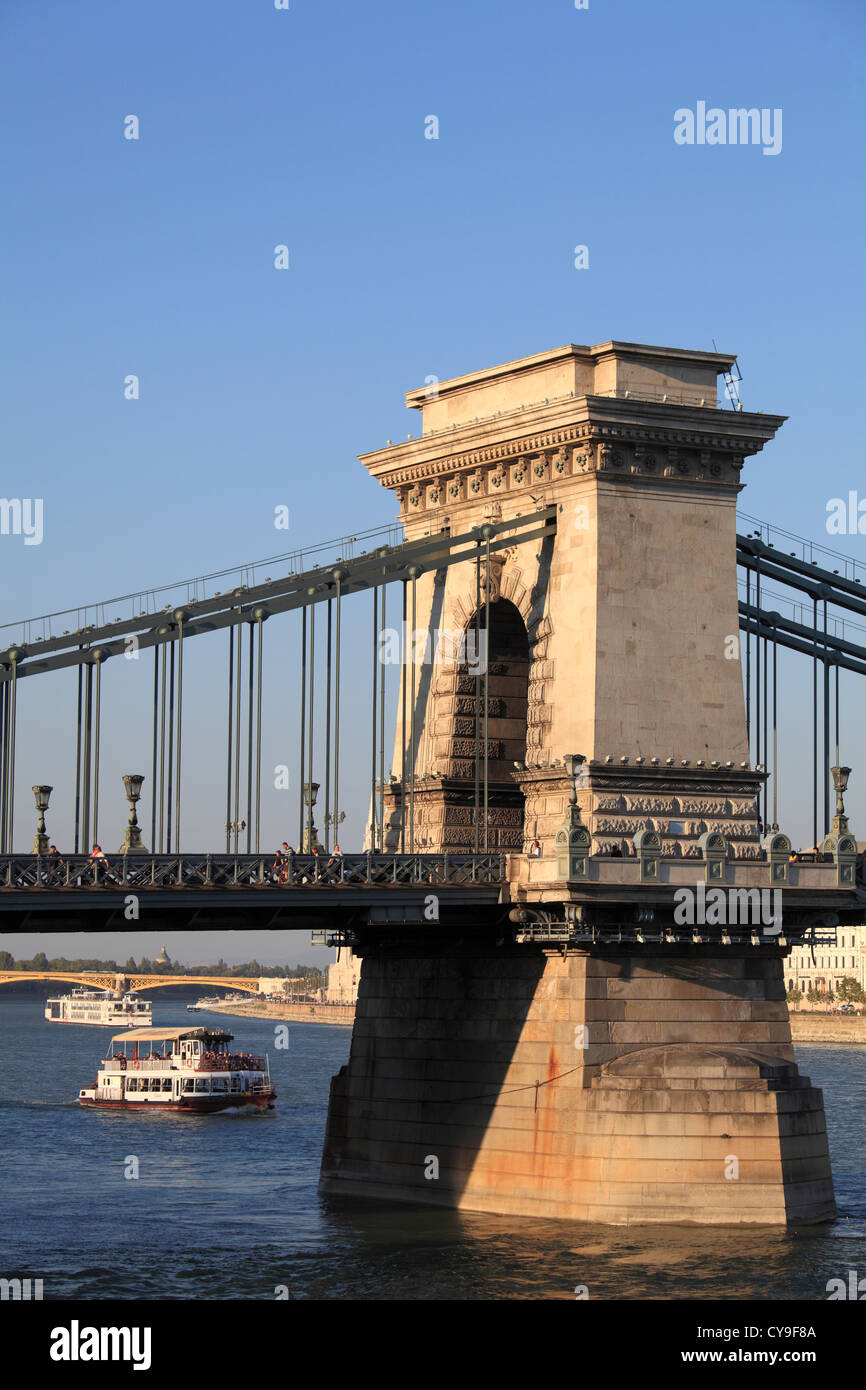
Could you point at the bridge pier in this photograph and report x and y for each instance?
(615, 1085)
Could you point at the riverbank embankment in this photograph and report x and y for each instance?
(829, 1028)
(290, 1013)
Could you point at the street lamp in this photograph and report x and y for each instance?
(132, 839)
(311, 837)
(840, 783)
(41, 796)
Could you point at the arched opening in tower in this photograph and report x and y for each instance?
(505, 652)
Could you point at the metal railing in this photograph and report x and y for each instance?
(143, 872)
(233, 1063)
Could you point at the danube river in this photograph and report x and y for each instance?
(226, 1206)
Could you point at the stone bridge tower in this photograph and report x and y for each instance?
(577, 1052)
(618, 639)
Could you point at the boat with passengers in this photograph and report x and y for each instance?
(192, 1070)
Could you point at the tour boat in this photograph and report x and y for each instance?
(183, 1069)
(99, 1008)
(214, 1001)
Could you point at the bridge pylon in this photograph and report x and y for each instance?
(588, 1054)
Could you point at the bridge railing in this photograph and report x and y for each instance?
(160, 871)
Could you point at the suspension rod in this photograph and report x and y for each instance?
(180, 618)
(154, 742)
(259, 737)
(311, 730)
(230, 732)
(328, 695)
(162, 708)
(382, 733)
(236, 828)
(373, 705)
(3, 751)
(97, 721)
(10, 757)
(85, 768)
(412, 750)
(486, 685)
(250, 707)
(826, 731)
(477, 814)
(403, 678)
(303, 729)
(170, 757)
(77, 768)
(337, 702)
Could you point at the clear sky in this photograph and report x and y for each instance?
(408, 256)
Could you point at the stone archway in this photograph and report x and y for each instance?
(446, 804)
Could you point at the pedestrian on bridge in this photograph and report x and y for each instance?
(100, 863)
(335, 864)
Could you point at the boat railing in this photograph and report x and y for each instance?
(116, 1064)
(227, 1064)
(231, 1063)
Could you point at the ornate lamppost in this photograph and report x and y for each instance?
(132, 839)
(311, 836)
(840, 782)
(41, 796)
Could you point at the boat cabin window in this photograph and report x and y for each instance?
(202, 1084)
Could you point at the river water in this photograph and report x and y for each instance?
(226, 1206)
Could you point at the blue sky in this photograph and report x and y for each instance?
(408, 256)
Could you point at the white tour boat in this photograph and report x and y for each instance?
(207, 1003)
(187, 1069)
(100, 1009)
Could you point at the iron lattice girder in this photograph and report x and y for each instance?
(385, 566)
(818, 583)
(821, 585)
(810, 641)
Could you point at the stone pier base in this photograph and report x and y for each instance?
(645, 1086)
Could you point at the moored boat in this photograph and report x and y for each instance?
(99, 1008)
(179, 1069)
